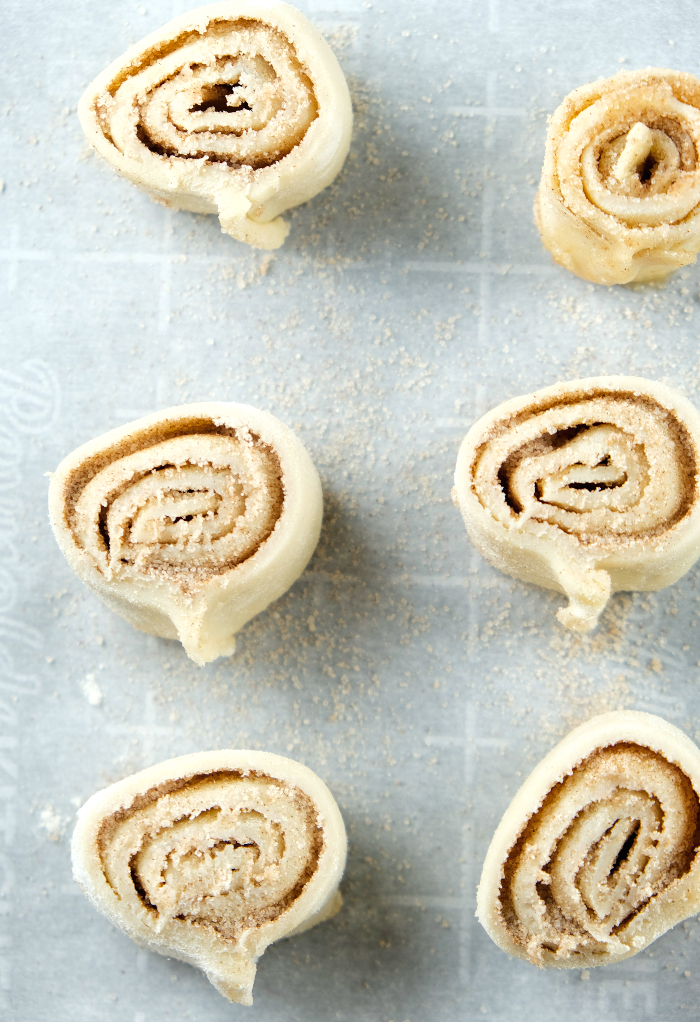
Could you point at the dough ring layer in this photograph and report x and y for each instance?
(211, 857)
(588, 487)
(598, 854)
(619, 198)
(238, 108)
(190, 521)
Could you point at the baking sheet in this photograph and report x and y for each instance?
(421, 684)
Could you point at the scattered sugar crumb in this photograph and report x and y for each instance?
(53, 823)
(91, 690)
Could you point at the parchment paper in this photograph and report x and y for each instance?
(421, 684)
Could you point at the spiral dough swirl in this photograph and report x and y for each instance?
(587, 487)
(236, 94)
(613, 835)
(211, 857)
(191, 521)
(239, 109)
(611, 468)
(619, 198)
(224, 852)
(598, 853)
(184, 509)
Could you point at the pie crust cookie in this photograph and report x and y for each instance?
(619, 199)
(599, 852)
(190, 521)
(211, 857)
(237, 108)
(588, 487)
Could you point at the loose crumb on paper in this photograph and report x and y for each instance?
(53, 823)
(91, 690)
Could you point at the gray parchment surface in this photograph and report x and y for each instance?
(421, 684)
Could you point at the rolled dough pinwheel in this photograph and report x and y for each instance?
(599, 852)
(211, 857)
(588, 487)
(619, 199)
(238, 108)
(190, 521)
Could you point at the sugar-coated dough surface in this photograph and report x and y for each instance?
(211, 857)
(619, 199)
(190, 521)
(598, 853)
(238, 108)
(588, 487)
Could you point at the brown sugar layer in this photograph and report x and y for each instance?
(182, 501)
(226, 851)
(652, 165)
(234, 93)
(620, 829)
(602, 467)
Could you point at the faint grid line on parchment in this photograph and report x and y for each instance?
(166, 270)
(470, 741)
(19, 641)
(14, 255)
(473, 741)
(487, 212)
(146, 733)
(486, 269)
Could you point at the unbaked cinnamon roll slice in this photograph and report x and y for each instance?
(599, 852)
(211, 857)
(190, 521)
(587, 487)
(619, 199)
(239, 108)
